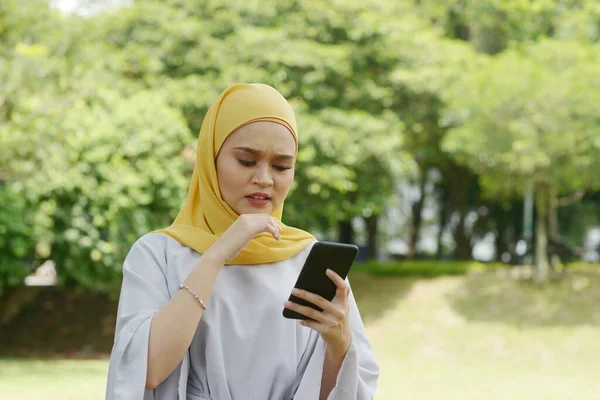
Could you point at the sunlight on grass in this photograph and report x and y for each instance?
(468, 337)
(53, 379)
(486, 336)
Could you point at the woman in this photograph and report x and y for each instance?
(199, 315)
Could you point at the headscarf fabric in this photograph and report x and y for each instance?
(205, 216)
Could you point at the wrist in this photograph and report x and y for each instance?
(213, 257)
(337, 351)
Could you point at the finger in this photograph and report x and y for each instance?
(279, 228)
(307, 312)
(313, 325)
(273, 231)
(277, 224)
(342, 292)
(337, 280)
(277, 231)
(319, 301)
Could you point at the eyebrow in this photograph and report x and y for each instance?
(258, 152)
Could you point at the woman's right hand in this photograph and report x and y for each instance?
(240, 233)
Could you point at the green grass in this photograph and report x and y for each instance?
(476, 336)
(484, 336)
(52, 379)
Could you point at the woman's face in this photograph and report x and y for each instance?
(255, 167)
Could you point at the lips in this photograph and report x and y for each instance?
(259, 199)
(259, 196)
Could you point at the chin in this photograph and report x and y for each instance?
(254, 210)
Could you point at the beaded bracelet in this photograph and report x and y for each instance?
(186, 287)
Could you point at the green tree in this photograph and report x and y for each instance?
(330, 62)
(88, 162)
(527, 118)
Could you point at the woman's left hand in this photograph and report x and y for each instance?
(332, 322)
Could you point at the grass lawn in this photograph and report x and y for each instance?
(52, 379)
(482, 336)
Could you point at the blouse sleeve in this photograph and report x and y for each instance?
(144, 291)
(357, 378)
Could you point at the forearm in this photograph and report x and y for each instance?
(173, 327)
(331, 367)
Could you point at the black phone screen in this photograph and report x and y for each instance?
(313, 278)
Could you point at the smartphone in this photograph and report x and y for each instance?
(338, 257)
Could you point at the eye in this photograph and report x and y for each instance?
(281, 167)
(246, 163)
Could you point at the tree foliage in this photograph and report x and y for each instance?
(97, 111)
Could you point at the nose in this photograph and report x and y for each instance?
(262, 176)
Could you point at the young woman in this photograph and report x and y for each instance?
(199, 314)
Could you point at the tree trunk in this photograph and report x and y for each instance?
(501, 221)
(417, 217)
(553, 232)
(463, 191)
(542, 205)
(443, 216)
(372, 245)
(346, 232)
(463, 243)
(553, 214)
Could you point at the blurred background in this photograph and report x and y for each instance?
(457, 143)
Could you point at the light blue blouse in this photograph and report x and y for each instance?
(244, 349)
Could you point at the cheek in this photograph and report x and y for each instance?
(285, 182)
(231, 179)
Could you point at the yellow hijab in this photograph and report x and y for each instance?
(205, 216)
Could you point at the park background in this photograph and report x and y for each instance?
(457, 143)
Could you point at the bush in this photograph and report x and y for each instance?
(423, 268)
(90, 179)
(432, 268)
